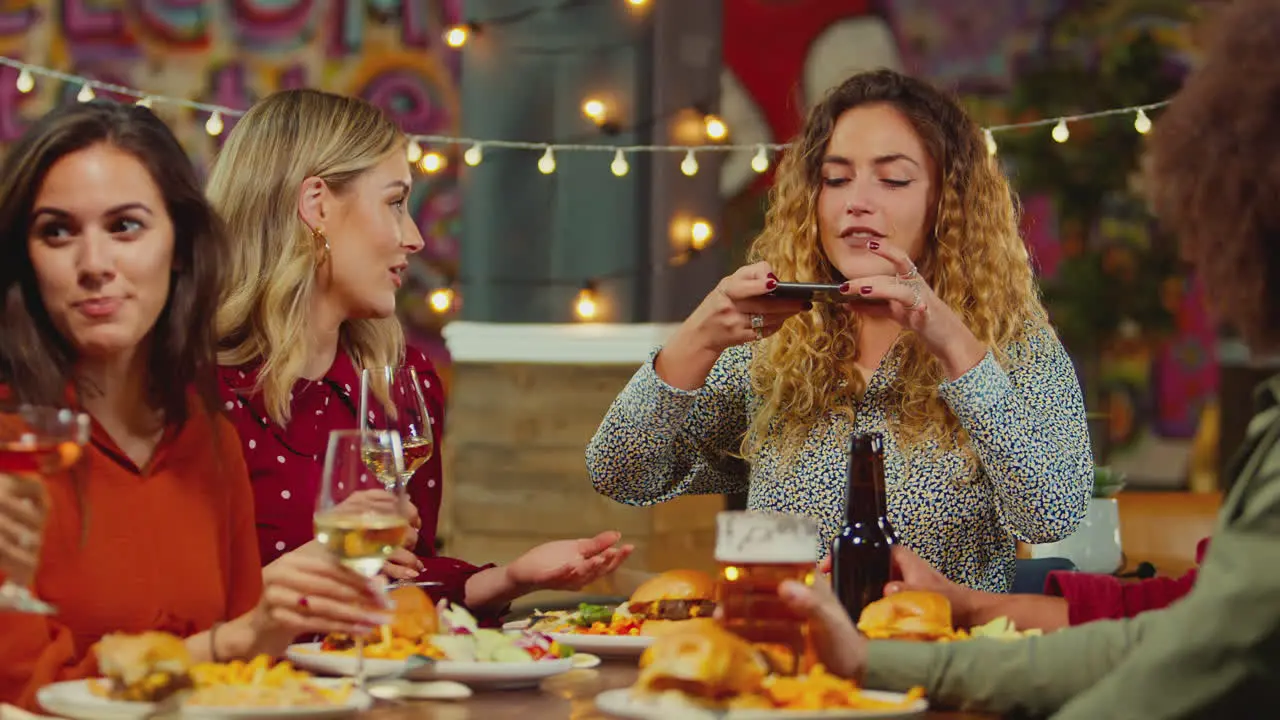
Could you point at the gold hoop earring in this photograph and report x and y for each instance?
(322, 244)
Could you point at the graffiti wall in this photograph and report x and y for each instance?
(235, 51)
(781, 55)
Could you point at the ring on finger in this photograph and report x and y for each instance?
(916, 297)
(911, 274)
(303, 602)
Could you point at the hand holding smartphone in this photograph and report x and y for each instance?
(819, 292)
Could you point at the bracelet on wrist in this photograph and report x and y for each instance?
(213, 641)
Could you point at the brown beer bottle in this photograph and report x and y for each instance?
(860, 562)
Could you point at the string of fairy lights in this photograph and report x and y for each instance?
(430, 153)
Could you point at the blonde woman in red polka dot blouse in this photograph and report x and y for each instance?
(313, 187)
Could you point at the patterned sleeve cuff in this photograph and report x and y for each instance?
(649, 402)
(978, 390)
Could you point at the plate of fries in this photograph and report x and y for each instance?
(489, 674)
(868, 705)
(817, 695)
(454, 648)
(603, 644)
(260, 688)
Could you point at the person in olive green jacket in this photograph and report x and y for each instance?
(1214, 177)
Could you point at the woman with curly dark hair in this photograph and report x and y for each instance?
(941, 344)
(1215, 175)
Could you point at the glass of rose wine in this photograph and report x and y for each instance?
(391, 398)
(35, 443)
(358, 538)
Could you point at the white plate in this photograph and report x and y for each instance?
(622, 704)
(605, 645)
(498, 675)
(74, 700)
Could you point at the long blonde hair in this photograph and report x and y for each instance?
(254, 184)
(974, 260)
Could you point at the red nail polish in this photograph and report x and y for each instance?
(771, 276)
(866, 289)
(844, 288)
(770, 284)
(874, 244)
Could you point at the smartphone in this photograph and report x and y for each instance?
(819, 292)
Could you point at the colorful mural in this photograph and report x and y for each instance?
(780, 55)
(231, 53)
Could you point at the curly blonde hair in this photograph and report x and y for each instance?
(281, 141)
(974, 260)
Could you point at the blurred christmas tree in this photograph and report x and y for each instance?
(1117, 281)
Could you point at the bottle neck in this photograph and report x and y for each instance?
(865, 501)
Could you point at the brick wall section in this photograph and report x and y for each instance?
(515, 474)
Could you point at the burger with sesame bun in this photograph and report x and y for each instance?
(908, 615)
(674, 601)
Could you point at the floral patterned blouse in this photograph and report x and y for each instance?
(1026, 424)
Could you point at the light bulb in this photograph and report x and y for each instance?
(144, 102)
(700, 234)
(637, 3)
(619, 165)
(594, 109)
(760, 162)
(1142, 123)
(991, 142)
(213, 125)
(26, 81)
(456, 36)
(85, 94)
(440, 300)
(585, 306)
(1060, 131)
(716, 129)
(413, 152)
(689, 166)
(547, 163)
(432, 162)
(473, 155)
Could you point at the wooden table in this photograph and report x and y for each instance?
(565, 697)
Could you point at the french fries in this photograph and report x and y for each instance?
(393, 648)
(820, 690)
(260, 683)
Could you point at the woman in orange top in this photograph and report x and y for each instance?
(110, 264)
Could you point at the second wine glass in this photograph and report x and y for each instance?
(391, 398)
(359, 538)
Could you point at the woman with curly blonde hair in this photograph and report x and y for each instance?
(942, 345)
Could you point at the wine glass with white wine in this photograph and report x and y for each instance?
(391, 399)
(359, 539)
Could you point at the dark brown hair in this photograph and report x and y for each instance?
(1213, 170)
(35, 359)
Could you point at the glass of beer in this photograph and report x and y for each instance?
(756, 551)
